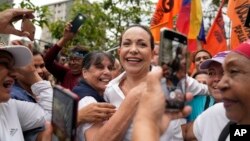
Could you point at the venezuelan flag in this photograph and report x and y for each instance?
(190, 23)
(182, 24)
(195, 19)
(189, 20)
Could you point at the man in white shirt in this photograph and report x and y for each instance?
(19, 116)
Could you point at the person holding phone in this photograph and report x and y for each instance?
(67, 76)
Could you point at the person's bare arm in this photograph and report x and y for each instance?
(46, 135)
(67, 35)
(115, 128)
(57, 70)
(95, 112)
(189, 132)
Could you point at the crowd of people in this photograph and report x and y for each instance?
(119, 98)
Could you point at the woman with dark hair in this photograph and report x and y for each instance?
(135, 54)
(96, 74)
(39, 64)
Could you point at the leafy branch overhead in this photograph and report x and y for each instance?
(105, 21)
(41, 12)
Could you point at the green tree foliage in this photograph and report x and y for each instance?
(57, 28)
(105, 21)
(5, 5)
(41, 12)
(123, 13)
(93, 33)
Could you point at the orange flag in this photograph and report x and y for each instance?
(163, 16)
(237, 12)
(216, 38)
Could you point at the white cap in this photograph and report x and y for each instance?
(21, 54)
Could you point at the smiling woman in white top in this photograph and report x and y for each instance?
(135, 52)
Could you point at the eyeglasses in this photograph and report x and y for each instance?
(75, 59)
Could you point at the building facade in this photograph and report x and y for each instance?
(59, 11)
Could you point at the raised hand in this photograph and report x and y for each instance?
(10, 15)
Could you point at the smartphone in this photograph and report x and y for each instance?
(28, 26)
(172, 59)
(64, 113)
(77, 22)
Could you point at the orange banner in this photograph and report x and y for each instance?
(237, 12)
(216, 38)
(163, 16)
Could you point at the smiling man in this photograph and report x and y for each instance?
(18, 116)
(67, 76)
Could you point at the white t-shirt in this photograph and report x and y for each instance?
(113, 94)
(208, 125)
(18, 116)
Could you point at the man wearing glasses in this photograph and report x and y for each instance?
(67, 76)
